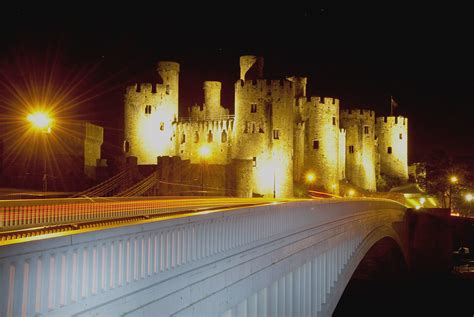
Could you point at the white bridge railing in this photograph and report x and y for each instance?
(201, 265)
(38, 212)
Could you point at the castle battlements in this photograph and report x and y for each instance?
(167, 66)
(358, 113)
(276, 127)
(265, 85)
(147, 88)
(205, 125)
(391, 120)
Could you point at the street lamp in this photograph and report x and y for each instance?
(42, 122)
(453, 180)
(310, 179)
(204, 153)
(469, 197)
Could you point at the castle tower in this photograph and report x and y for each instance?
(263, 132)
(212, 98)
(322, 142)
(251, 67)
(392, 137)
(360, 147)
(149, 113)
(169, 73)
(300, 85)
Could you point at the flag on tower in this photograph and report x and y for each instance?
(393, 105)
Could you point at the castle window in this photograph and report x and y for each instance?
(254, 159)
(246, 130)
(224, 137)
(162, 126)
(400, 136)
(196, 137)
(260, 128)
(351, 149)
(183, 138)
(126, 146)
(276, 134)
(333, 120)
(148, 109)
(366, 130)
(253, 108)
(253, 127)
(209, 137)
(315, 144)
(389, 150)
(167, 89)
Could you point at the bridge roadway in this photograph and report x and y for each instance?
(28, 218)
(257, 258)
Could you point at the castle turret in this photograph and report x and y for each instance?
(392, 138)
(264, 133)
(300, 85)
(360, 147)
(149, 113)
(322, 142)
(212, 98)
(251, 67)
(169, 73)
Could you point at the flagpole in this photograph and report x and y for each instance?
(391, 106)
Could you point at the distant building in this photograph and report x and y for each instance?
(280, 130)
(66, 158)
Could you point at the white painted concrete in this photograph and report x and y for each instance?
(278, 260)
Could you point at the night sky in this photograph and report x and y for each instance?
(420, 56)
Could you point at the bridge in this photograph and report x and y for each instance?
(206, 257)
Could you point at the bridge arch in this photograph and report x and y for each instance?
(285, 257)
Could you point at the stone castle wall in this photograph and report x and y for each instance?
(321, 144)
(360, 147)
(150, 111)
(392, 138)
(276, 128)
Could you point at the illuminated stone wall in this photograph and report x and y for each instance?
(360, 147)
(264, 133)
(275, 127)
(216, 135)
(342, 154)
(322, 142)
(392, 132)
(212, 108)
(149, 114)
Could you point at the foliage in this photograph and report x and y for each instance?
(440, 167)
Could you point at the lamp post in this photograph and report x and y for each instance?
(42, 122)
(452, 181)
(204, 153)
(469, 200)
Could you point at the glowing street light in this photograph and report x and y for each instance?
(453, 179)
(351, 192)
(469, 197)
(42, 122)
(204, 153)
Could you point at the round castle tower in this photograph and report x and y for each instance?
(322, 142)
(360, 147)
(212, 98)
(392, 137)
(149, 113)
(264, 130)
(251, 67)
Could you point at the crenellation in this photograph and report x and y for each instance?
(277, 129)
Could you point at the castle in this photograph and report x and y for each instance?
(277, 135)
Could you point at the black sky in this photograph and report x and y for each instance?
(421, 56)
